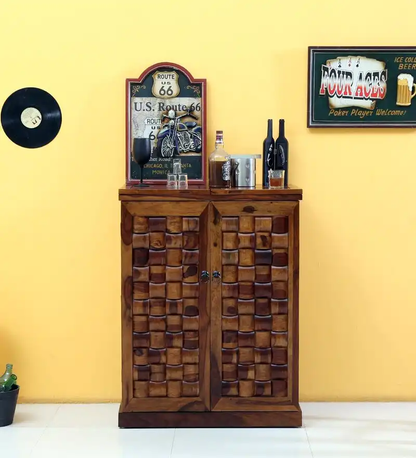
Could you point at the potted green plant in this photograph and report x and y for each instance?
(9, 392)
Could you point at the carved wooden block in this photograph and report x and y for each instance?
(174, 339)
(157, 290)
(191, 339)
(246, 257)
(157, 257)
(140, 224)
(246, 355)
(263, 224)
(157, 274)
(246, 307)
(141, 290)
(174, 240)
(174, 224)
(190, 224)
(263, 306)
(229, 224)
(191, 240)
(246, 224)
(191, 273)
(191, 306)
(190, 257)
(230, 356)
(263, 240)
(141, 307)
(174, 307)
(157, 240)
(190, 357)
(157, 224)
(263, 274)
(230, 258)
(190, 373)
(141, 241)
(246, 241)
(157, 323)
(140, 257)
(141, 274)
(229, 240)
(174, 257)
(280, 224)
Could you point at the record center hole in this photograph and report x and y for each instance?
(31, 117)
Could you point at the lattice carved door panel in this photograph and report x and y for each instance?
(252, 305)
(169, 325)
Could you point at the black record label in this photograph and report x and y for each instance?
(31, 117)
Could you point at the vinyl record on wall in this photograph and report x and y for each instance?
(31, 117)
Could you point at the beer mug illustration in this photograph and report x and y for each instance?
(404, 89)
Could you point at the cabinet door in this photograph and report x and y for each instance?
(164, 321)
(254, 311)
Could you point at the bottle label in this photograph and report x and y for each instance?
(269, 158)
(31, 117)
(226, 171)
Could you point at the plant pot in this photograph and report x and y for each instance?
(8, 403)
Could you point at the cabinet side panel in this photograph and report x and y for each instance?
(295, 306)
(126, 229)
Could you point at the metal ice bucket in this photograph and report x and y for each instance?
(243, 170)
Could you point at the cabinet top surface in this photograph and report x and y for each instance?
(203, 192)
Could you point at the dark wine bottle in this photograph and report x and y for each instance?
(282, 146)
(268, 146)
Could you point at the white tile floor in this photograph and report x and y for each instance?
(330, 430)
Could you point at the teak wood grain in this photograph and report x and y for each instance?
(238, 382)
(199, 192)
(165, 318)
(222, 351)
(126, 228)
(289, 417)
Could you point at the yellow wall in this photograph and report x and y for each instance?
(59, 230)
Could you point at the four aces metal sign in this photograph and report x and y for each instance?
(362, 87)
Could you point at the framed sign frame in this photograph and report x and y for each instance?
(361, 86)
(168, 105)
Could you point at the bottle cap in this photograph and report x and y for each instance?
(219, 136)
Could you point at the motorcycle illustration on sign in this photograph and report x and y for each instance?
(177, 136)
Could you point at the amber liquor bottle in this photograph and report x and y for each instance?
(219, 164)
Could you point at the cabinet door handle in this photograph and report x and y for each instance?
(216, 275)
(204, 276)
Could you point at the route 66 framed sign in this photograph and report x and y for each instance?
(167, 104)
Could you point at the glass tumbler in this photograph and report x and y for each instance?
(172, 182)
(183, 181)
(276, 179)
(177, 166)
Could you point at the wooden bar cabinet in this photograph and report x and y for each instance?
(209, 307)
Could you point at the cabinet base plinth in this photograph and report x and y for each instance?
(260, 419)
